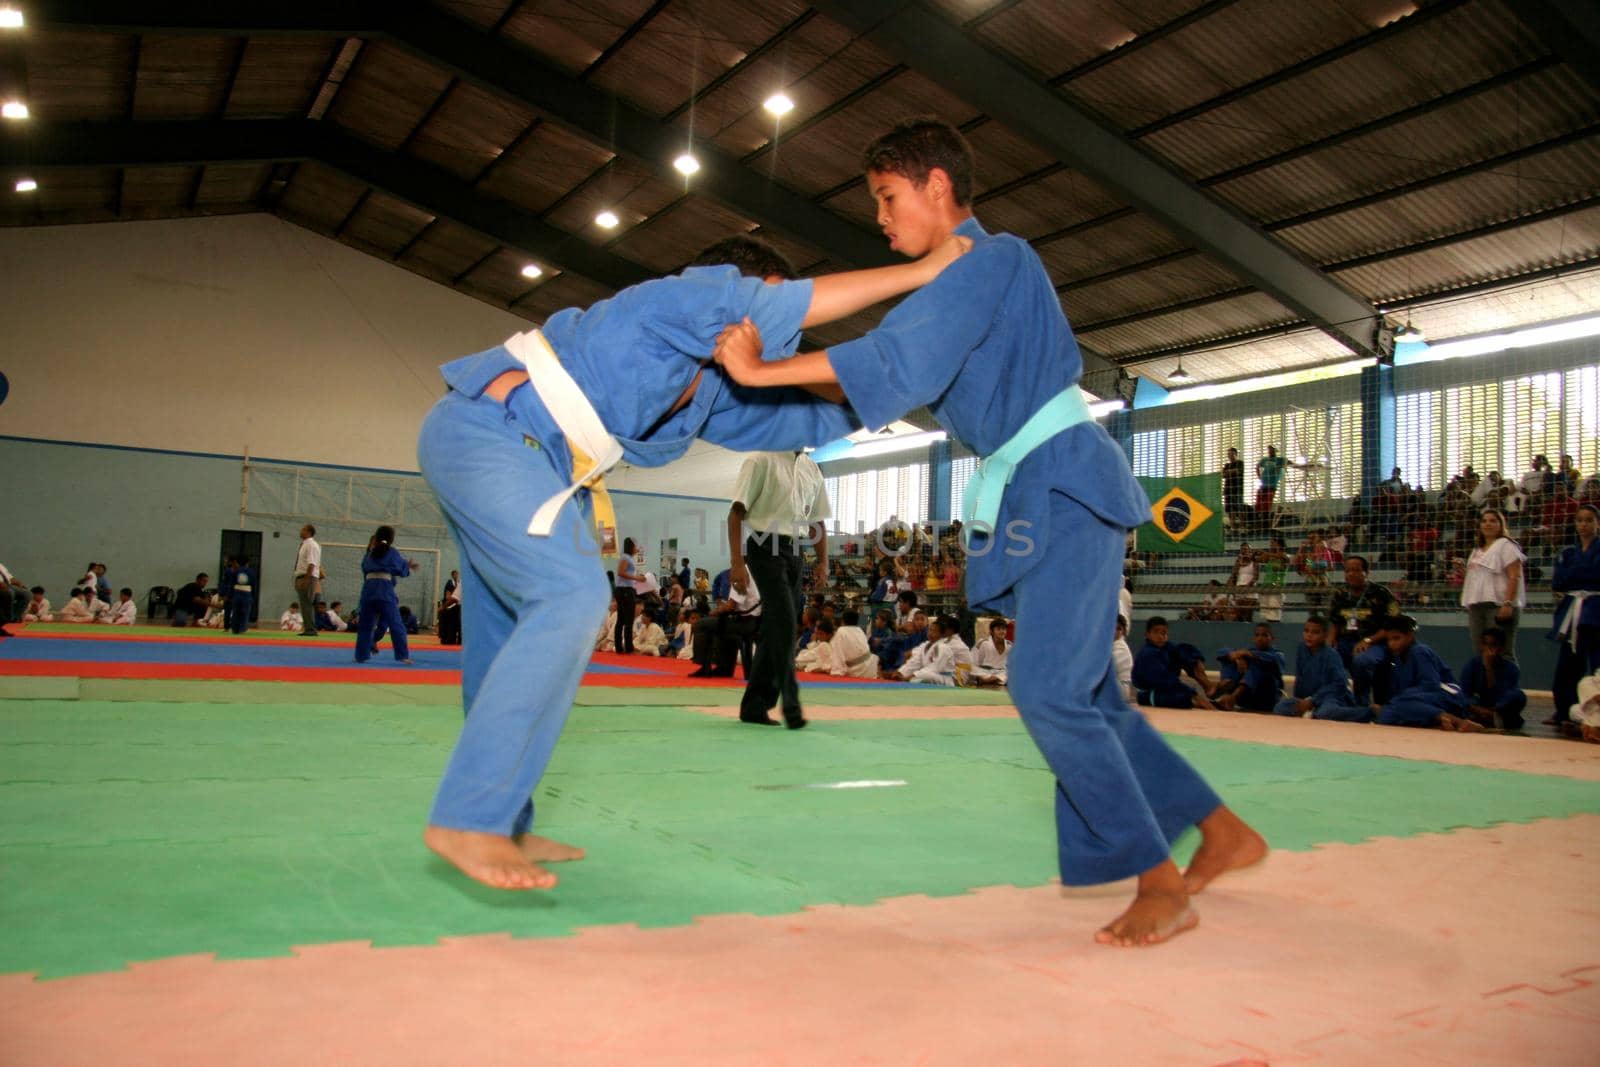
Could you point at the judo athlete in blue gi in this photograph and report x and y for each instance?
(1425, 692)
(1321, 684)
(1159, 667)
(1250, 679)
(526, 431)
(1489, 682)
(986, 346)
(241, 596)
(1576, 624)
(381, 567)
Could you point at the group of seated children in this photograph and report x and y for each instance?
(1391, 678)
(937, 655)
(84, 605)
(331, 619)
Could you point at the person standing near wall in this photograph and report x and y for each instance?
(308, 578)
(1493, 592)
(777, 496)
(381, 567)
(242, 596)
(628, 582)
(1576, 624)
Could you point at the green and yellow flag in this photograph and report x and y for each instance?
(1185, 514)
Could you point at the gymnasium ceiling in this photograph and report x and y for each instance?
(1249, 184)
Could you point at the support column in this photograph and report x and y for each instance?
(939, 482)
(1377, 427)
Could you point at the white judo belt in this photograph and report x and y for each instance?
(586, 435)
(1569, 625)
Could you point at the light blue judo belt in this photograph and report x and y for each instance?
(981, 505)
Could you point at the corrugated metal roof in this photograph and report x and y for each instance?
(1224, 84)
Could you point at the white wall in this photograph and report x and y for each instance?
(223, 335)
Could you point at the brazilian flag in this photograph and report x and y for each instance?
(1185, 514)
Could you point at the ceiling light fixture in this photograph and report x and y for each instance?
(26, 185)
(606, 220)
(1409, 335)
(10, 18)
(532, 270)
(1179, 374)
(778, 105)
(686, 164)
(14, 109)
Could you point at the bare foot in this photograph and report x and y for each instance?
(1160, 911)
(545, 850)
(493, 859)
(1591, 734)
(1448, 721)
(1203, 702)
(1227, 843)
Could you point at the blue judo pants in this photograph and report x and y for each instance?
(1122, 794)
(1420, 709)
(239, 605)
(380, 610)
(530, 605)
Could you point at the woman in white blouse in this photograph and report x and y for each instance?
(1493, 592)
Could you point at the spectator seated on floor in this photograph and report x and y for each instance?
(648, 637)
(852, 656)
(336, 615)
(1321, 682)
(911, 630)
(1586, 712)
(1122, 661)
(817, 656)
(191, 601)
(38, 607)
(410, 621)
(882, 630)
(1159, 667)
(325, 618)
(216, 611)
(682, 643)
(76, 609)
(1250, 679)
(605, 642)
(126, 612)
(1489, 682)
(97, 608)
(1425, 693)
(291, 619)
(989, 656)
(939, 659)
(808, 626)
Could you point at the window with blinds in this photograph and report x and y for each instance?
(1343, 476)
(1418, 424)
(1186, 451)
(1531, 412)
(865, 500)
(1471, 432)
(1221, 436)
(1150, 454)
(961, 470)
(1580, 407)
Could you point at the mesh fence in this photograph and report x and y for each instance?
(419, 592)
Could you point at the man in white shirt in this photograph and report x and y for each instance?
(14, 597)
(852, 657)
(308, 579)
(779, 503)
(126, 612)
(719, 636)
(989, 658)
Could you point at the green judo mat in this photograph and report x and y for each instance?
(139, 830)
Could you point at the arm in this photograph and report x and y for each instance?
(821, 530)
(1508, 603)
(737, 572)
(838, 296)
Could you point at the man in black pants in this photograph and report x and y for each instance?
(778, 497)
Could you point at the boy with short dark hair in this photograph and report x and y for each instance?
(1159, 667)
(1489, 682)
(1251, 679)
(1425, 692)
(1321, 683)
(987, 349)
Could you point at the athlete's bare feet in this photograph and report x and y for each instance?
(1227, 843)
(1448, 721)
(1203, 702)
(545, 850)
(1590, 734)
(493, 859)
(1160, 911)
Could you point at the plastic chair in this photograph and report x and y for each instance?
(160, 596)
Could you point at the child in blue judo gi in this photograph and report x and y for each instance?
(1250, 679)
(515, 452)
(381, 567)
(1159, 667)
(1425, 692)
(986, 347)
(1321, 683)
(1489, 681)
(1576, 623)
